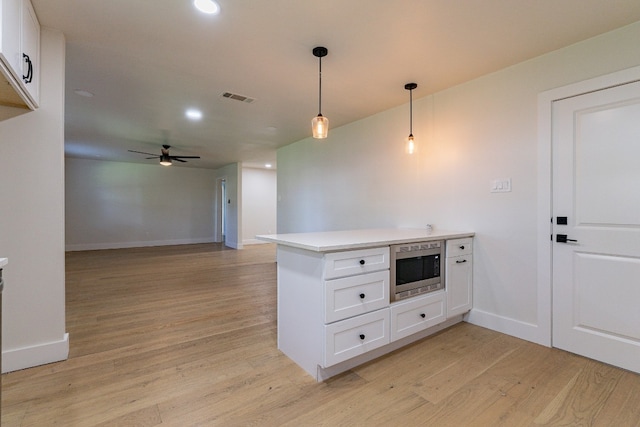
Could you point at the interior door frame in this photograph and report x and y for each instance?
(545, 186)
(219, 234)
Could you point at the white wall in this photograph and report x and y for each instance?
(469, 135)
(32, 221)
(258, 203)
(116, 205)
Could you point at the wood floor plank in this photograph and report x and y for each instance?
(623, 404)
(186, 336)
(443, 384)
(534, 375)
(146, 417)
(580, 401)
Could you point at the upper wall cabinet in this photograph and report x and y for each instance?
(19, 56)
(31, 51)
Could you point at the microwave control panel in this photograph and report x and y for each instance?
(414, 247)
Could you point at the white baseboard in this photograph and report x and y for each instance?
(137, 244)
(507, 325)
(28, 357)
(253, 242)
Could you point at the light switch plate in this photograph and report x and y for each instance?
(501, 185)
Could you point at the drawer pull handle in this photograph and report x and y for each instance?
(462, 247)
(460, 261)
(423, 315)
(361, 262)
(362, 296)
(362, 336)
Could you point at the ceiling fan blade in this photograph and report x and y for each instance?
(142, 152)
(185, 157)
(178, 160)
(154, 157)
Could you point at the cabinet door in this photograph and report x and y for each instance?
(30, 56)
(458, 284)
(10, 52)
(417, 314)
(351, 296)
(355, 336)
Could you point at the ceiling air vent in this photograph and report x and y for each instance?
(237, 97)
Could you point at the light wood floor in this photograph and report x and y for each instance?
(186, 336)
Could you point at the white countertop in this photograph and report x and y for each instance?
(327, 241)
(3, 262)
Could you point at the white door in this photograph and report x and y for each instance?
(596, 186)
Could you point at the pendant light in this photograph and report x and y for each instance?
(410, 147)
(320, 124)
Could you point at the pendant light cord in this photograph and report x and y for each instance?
(319, 85)
(411, 112)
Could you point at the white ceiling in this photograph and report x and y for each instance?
(146, 61)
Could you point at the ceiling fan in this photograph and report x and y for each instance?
(165, 158)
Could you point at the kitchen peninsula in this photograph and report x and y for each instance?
(335, 310)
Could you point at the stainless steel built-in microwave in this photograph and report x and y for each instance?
(416, 268)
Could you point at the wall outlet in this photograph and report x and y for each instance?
(500, 185)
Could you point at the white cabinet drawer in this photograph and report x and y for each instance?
(350, 263)
(457, 247)
(351, 296)
(355, 336)
(417, 314)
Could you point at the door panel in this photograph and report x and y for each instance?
(596, 184)
(606, 165)
(605, 278)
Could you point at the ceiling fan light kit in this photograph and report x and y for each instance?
(165, 158)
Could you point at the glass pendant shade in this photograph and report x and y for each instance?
(320, 126)
(411, 147)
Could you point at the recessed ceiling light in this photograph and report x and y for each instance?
(207, 6)
(268, 165)
(193, 114)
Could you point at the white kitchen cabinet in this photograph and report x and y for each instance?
(10, 51)
(459, 276)
(334, 309)
(326, 302)
(19, 56)
(417, 314)
(30, 52)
